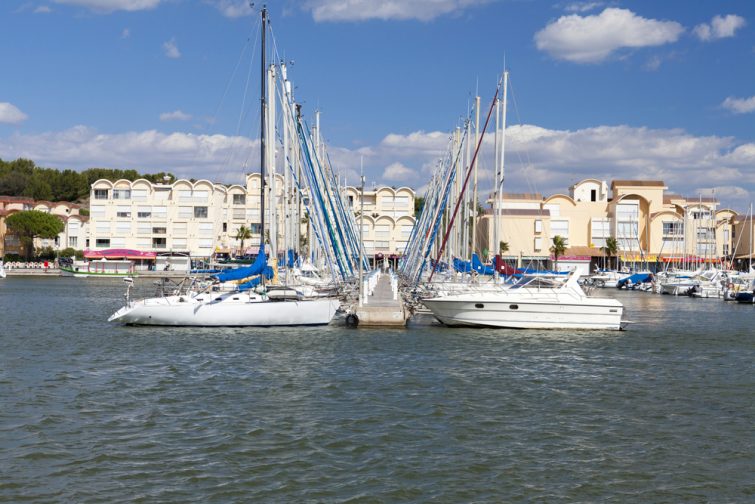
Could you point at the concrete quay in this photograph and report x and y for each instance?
(383, 306)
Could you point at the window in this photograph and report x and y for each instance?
(239, 199)
(555, 210)
(382, 232)
(144, 229)
(206, 244)
(538, 244)
(538, 226)
(100, 194)
(406, 231)
(97, 211)
(179, 228)
(206, 229)
(238, 213)
(184, 195)
(382, 244)
(401, 200)
(159, 230)
(102, 227)
(593, 195)
(351, 201)
(560, 228)
(123, 228)
(73, 241)
(139, 194)
(200, 212)
(102, 243)
(142, 243)
(144, 212)
(161, 195)
(600, 229)
(255, 228)
(673, 228)
(179, 243)
(253, 214)
(123, 212)
(368, 245)
(185, 212)
(159, 212)
(225, 227)
(118, 242)
(121, 194)
(159, 243)
(201, 196)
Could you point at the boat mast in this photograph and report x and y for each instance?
(263, 126)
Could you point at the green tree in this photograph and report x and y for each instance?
(38, 188)
(419, 203)
(244, 233)
(13, 183)
(611, 248)
(558, 249)
(33, 224)
(503, 247)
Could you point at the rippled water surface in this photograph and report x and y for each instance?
(92, 412)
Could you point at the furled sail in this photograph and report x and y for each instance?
(257, 267)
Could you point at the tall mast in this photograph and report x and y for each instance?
(474, 192)
(263, 126)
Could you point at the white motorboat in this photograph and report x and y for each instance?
(2, 269)
(101, 268)
(529, 305)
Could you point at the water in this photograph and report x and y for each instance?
(91, 412)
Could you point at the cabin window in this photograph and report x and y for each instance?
(513, 307)
(479, 305)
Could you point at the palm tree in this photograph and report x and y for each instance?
(611, 248)
(503, 247)
(244, 233)
(558, 249)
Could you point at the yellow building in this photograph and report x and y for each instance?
(648, 223)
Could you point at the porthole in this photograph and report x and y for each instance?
(514, 307)
(479, 305)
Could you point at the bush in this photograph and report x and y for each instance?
(45, 253)
(12, 258)
(79, 255)
(68, 252)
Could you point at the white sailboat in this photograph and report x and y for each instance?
(246, 304)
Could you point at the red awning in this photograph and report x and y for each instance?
(119, 254)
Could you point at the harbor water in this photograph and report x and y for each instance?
(94, 412)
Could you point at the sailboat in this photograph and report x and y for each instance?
(249, 303)
(2, 269)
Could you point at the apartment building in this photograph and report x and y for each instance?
(648, 223)
(388, 218)
(74, 233)
(201, 218)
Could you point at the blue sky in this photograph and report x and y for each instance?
(605, 89)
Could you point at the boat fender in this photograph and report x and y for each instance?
(352, 320)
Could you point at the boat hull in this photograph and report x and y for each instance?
(240, 312)
(531, 314)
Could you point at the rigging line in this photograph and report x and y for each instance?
(530, 183)
(231, 153)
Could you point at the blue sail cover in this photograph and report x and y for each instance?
(462, 266)
(481, 269)
(254, 282)
(635, 279)
(291, 258)
(257, 267)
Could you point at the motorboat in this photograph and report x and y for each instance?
(529, 304)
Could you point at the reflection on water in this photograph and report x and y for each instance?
(98, 412)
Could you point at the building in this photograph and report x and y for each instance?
(388, 219)
(74, 234)
(201, 218)
(649, 224)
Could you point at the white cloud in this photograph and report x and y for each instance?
(719, 27)
(107, 6)
(397, 171)
(583, 6)
(739, 105)
(42, 9)
(232, 8)
(201, 156)
(537, 158)
(170, 48)
(592, 39)
(10, 114)
(363, 10)
(176, 115)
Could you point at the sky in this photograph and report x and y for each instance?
(599, 89)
